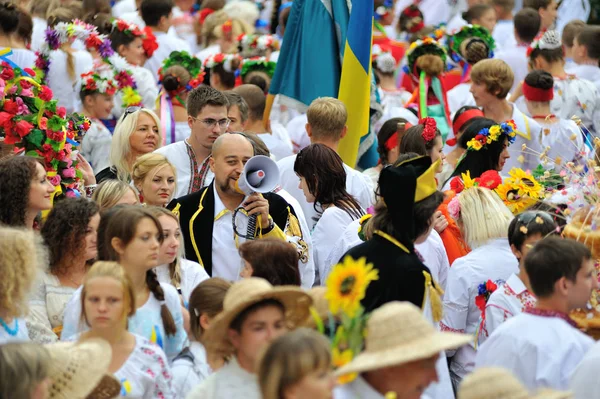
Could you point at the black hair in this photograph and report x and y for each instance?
(9, 17)
(423, 212)
(527, 24)
(325, 176)
(535, 222)
(103, 23)
(227, 78)
(413, 141)
(153, 10)
(552, 259)
(385, 132)
(238, 321)
(549, 55)
(540, 80)
(461, 111)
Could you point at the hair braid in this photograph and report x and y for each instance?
(159, 294)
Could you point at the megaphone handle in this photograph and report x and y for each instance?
(251, 232)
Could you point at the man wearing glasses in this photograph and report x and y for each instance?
(207, 118)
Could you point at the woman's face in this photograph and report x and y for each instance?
(129, 198)
(158, 187)
(247, 270)
(304, 187)
(143, 250)
(504, 155)
(317, 385)
(104, 303)
(134, 52)
(40, 190)
(91, 236)
(487, 20)
(437, 152)
(145, 137)
(170, 246)
(481, 95)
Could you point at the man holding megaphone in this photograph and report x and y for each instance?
(236, 206)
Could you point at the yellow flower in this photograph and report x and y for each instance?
(340, 359)
(514, 200)
(474, 144)
(347, 283)
(526, 183)
(467, 181)
(130, 96)
(495, 132)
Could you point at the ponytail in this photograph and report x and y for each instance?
(159, 294)
(70, 61)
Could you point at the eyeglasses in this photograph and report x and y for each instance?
(130, 110)
(211, 123)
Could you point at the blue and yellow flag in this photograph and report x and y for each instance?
(355, 83)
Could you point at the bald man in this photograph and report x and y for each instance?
(206, 216)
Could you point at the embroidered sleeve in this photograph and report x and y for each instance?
(38, 322)
(163, 382)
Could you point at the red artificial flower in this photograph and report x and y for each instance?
(25, 84)
(90, 85)
(490, 286)
(7, 73)
(490, 179)
(429, 129)
(30, 71)
(457, 185)
(56, 136)
(61, 111)
(5, 118)
(45, 93)
(43, 123)
(23, 128)
(93, 41)
(480, 302)
(122, 25)
(149, 43)
(481, 138)
(10, 106)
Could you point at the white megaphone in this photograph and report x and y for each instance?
(260, 175)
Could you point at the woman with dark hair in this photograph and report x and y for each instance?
(70, 234)
(132, 236)
(462, 118)
(424, 139)
(24, 191)
(388, 140)
(223, 70)
(14, 21)
(323, 181)
(275, 261)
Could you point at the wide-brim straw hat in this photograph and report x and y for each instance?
(551, 394)
(108, 388)
(246, 293)
(491, 383)
(397, 333)
(77, 368)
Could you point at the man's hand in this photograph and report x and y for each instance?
(257, 205)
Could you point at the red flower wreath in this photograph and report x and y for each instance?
(429, 129)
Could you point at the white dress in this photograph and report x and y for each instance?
(493, 261)
(22, 57)
(95, 146)
(146, 87)
(190, 370)
(357, 185)
(21, 334)
(146, 374)
(587, 72)
(65, 90)
(558, 137)
(167, 43)
(327, 231)
(47, 308)
(192, 274)
(541, 351)
(145, 322)
(230, 381)
(585, 383)
(507, 301)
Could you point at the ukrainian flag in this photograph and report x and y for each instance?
(355, 83)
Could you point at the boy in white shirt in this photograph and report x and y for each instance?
(543, 346)
(504, 30)
(570, 31)
(586, 53)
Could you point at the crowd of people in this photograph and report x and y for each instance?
(141, 256)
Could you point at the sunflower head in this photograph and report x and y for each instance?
(527, 184)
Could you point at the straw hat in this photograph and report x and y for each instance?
(491, 383)
(397, 333)
(551, 394)
(246, 293)
(77, 368)
(108, 388)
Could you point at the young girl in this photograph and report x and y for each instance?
(154, 178)
(110, 193)
(223, 70)
(20, 256)
(107, 301)
(173, 269)
(9, 24)
(132, 237)
(70, 233)
(388, 143)
(192, 366)
(384, 67)
(424, 139)
(323, 181)
(97, 95)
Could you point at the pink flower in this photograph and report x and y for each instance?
(55, 180)
(68, 173)
(13, 89)
(22, 109)
(61, 111)
(45, 93)
(43, 124)
(71, 194)
(454, 208)
(26, 93)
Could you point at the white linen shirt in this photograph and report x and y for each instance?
(459, 96)
(95, 146)
(167, 43)
(588, 72)
(542, 352)
(504, 34)
(492, 261)
(357, 185)
(507, 301)
(231, 381)
(187, 375)
(356, 389)
(516, 58)
(192, 274)
(585, 383)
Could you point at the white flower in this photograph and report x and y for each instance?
(118, 63)
(227, 63)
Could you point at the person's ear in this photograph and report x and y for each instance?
(561, 286)
(308, 130)
(234, 338)
(204, 321)
(344, 131)
(211, 163)
(121, 49)
(117, 245)
(516, 252)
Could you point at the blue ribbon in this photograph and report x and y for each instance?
(4, 57)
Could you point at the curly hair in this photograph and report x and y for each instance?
(65, 229)
(16, 175)
(21, 253)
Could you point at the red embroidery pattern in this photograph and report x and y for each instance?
(527, 300)
(444, 327)
(198, 176)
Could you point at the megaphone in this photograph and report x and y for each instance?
(260, 175)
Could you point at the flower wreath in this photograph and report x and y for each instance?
(249, 43)
(31, 120)
(414, 18)
(222, 59)
(421, 47)
(65, 32)
(545, 40)
(149, 43)
(191, 63)
(130, 29)
(261, 64)
(520, 191)
(92, 82)
(384, 60)
(467, 32)
(489, 179)
(429, 129)
(489, 135)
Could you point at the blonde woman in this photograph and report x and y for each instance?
(137, 133)
(181, 273)
(192, 366)
(110, 193)
(297, 365)
(107, 300)
(24, 371)
(20, 255)
(154, 178)
(483, 220)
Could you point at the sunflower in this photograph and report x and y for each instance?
(513, 198)
(347, 283)
(527, 184)
(341, 358)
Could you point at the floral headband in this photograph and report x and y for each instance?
(429, 129)
(222, 59)
(421, 47)
(92, 82)
(468, 32)
(249, 42)
(490, 180)
(548, 40)
(415, 18)
(149, 44)
(130, 29)
(261, 64)
(191, 63)
(489, 135)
